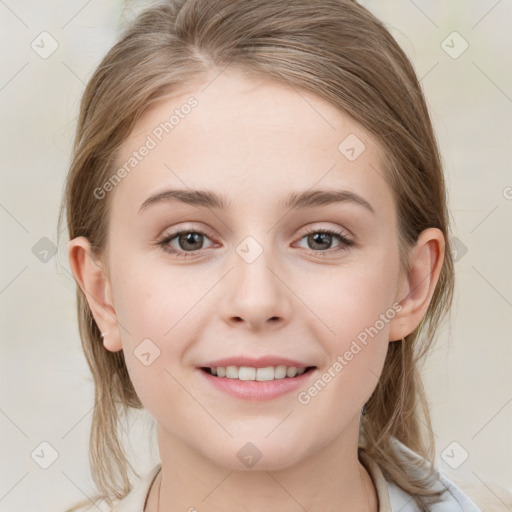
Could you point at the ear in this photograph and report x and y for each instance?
(416, 288)
(90, 274)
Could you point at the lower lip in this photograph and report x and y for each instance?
(257, 390)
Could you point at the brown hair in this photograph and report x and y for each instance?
(335, 49)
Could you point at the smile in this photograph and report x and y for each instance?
(256, 384)
(247, 373)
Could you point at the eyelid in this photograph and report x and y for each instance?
(313, 228)
(185, 227)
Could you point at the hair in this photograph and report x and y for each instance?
(342, 53)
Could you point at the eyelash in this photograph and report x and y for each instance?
(164, 243)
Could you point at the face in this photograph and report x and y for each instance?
(192, 282)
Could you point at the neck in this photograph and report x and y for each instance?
(329, 480)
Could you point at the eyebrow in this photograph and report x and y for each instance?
(208, 199)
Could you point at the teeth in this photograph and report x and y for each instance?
(259, 374)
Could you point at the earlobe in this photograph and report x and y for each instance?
(426, 261)
(89, 273)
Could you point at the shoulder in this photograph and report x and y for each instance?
(490, 497)
(97, 504)
(88, 505)
(134, 500)
(458, 495)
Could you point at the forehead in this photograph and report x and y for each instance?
(251, 138)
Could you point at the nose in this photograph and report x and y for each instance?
(255, 294)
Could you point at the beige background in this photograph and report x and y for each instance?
(46, 390)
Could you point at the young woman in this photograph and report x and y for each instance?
(259, 234)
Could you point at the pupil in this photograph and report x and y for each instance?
(190, 238)
(324, 242)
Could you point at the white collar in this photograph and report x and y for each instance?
(391, 497)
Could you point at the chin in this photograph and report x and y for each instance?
(257, 456)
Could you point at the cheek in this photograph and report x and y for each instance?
(351, 298)
(351, 311)
(151, 298)
(354, 311)
(157, 306)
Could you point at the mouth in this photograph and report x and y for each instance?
(248, 373)
(257, 383)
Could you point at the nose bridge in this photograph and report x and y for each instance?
(256, 295)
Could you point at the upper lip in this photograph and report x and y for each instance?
(255, 362)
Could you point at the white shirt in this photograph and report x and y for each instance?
(391, 497)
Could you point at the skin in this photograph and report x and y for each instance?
(255, 141)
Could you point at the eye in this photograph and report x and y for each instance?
(320, 240)
(187, 241)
